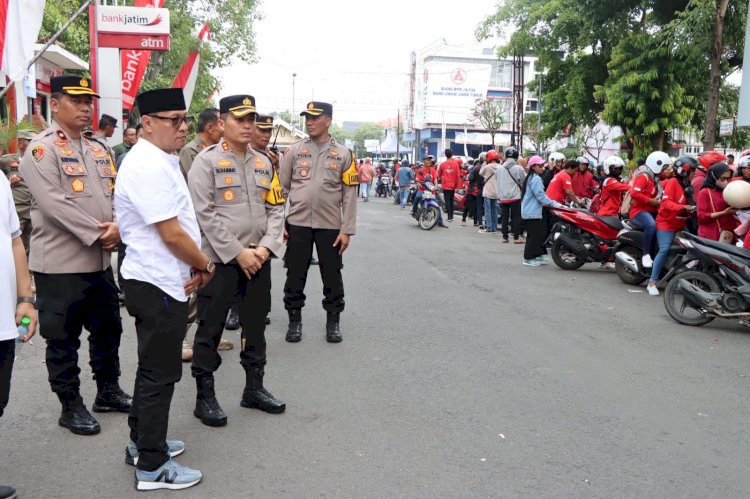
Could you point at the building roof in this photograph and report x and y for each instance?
(61, 58)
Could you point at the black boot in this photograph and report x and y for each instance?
(294, 333)
(257, 397)
(111, 398)
(76, 417)
(233, 320)
(207, 408)
(333, 331)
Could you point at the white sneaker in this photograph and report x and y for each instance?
(652, 290)
(647, 261)
(607, 265)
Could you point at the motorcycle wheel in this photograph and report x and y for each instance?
(428, 218)
(625, 274)
(564, 258)
(678, 308)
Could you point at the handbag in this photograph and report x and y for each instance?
(725, 236)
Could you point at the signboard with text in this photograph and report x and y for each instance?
(726, 127)
(133, 20)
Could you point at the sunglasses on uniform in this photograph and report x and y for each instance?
(176, 121)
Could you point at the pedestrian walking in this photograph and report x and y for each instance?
(164, 266)
(509, 177)
(366, 174)
(71, 180)
(533, 199)
(242, 227)
(449, 174)
(319, 178)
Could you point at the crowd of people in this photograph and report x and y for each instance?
(196, 227)
(660, 195)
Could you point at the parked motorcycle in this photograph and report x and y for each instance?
(719, 288)
(629, 253)
(428, 209)
(579, 237)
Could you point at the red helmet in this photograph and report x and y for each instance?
(493, 155)
(745, 153)
(710, 158)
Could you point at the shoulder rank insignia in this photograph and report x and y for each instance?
(37, 153)
(61, 135)
(225, 146)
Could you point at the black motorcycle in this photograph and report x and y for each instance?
(719, 287)
(629, 255)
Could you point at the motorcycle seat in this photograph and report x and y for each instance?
(612, 222)
(729, 248)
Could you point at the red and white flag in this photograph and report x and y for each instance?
(188, 74)
(20, 22)
(134, 64)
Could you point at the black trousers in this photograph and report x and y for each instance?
(536, 234)
(7, 355)
(160, 327)
(67, 303)
(297, 263)
(449, 202)
(470, 208)
(230, 286)
(512, 211)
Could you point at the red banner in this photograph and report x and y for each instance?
(134, 64)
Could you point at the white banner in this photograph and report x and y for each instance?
(135, 20)
(450, 89)
(372, 143)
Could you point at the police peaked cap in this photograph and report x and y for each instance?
(316, 108)
(238, 105)
(162, 99)
(264, 122)
(71, 85)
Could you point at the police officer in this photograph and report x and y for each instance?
(71, 181)
(9, 163)
(320, 177)
(209, 133)
(242, 225)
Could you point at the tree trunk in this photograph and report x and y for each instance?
(657, 142)
(493, 139)
(714, 87)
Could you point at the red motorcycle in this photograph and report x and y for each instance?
(580, 237)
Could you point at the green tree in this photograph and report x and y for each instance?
(232, 36)
(339, 133)
(367, 131)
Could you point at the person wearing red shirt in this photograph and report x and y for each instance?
(450, 178)
(561, 186)
(714, 215)
(706, 160)
(645, 201)
(584, 183)
(366, 174)
(612, 187)
(427, 173)
(674, 212)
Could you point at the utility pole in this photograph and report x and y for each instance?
(398, 139)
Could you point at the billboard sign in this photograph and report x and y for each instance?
(448, 90)
(133, 20)
(726, 127)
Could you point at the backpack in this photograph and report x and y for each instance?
(596, 202)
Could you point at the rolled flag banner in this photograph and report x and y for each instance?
(20, 22)
(188, 74)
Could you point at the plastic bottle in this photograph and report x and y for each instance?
(23, 329)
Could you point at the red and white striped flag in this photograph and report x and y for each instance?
(188, 74)
(20, 22)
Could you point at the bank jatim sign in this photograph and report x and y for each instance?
(138, 28)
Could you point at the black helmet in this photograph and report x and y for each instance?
(511, 152)
(684, 165)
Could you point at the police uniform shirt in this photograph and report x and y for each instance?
(188, 154)
(150, 190)
(229, 194)
(71, 183)
(21, 194)
(311, 176)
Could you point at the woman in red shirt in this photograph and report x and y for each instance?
(714, 215)
(673, 212)
(612, 187)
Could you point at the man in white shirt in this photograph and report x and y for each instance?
(15, 296)
(163, 267)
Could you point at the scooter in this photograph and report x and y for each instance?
(579, 237)
(629, 255)
(719, 288)
(428, 210)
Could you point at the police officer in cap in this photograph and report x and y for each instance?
(9, 163)
(320, 177)
(242, 225)
(71, 180)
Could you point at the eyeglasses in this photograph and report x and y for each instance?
(176, 121)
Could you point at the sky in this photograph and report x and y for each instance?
(355, 55)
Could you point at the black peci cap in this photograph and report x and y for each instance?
(71, 85)
(107, 120)
(162, 99)
(316, 108)
(264, 122)
(238, 105)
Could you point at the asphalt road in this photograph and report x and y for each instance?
(462, 374)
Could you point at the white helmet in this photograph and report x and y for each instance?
(613, 162)
(657, 160)
(557, 156)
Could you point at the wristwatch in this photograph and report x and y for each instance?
(26, 299)
(210, 267)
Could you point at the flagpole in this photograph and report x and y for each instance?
(49, 43)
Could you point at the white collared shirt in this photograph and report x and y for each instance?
(151, 189)
(9, 230)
